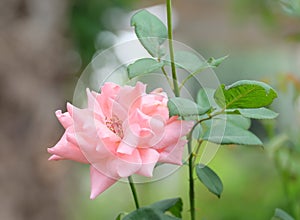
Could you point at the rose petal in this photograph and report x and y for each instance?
(64, 118)
(70, 108)
(67, 150)
(155, 104)
(125, 148)
(109, 92)
(94, 135)
(174, 130)
(94, 106)
(128, 164)
(131, 138)
(55, 158)
(129, 96)
(99, 182)
(149, 159)
(173, 153)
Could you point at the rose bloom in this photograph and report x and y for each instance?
(123, 131)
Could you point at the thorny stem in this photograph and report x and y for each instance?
(191, 178)
(192, 161)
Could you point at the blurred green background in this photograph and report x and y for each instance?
(262, 38)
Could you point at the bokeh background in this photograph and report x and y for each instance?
(46, 44)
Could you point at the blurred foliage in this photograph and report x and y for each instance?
(275, 14)
(291, 7)
(87, 21)
(270, 11)
(263, 9)
(284, 143)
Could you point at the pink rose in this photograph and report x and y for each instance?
(123, 131)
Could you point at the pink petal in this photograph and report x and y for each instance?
(137, 132)
(94, 106)
(99, 182)
(155, 104)
(71, 137)
(149, 159)
(109, 92)
(94, 139)
(131, 138)
(126, 148)
(112, 164)
(70, 109)
(64, 118)
(135, 136)
(67, 150)
(128, 164)
(92, 147)
(174, 130)
(55, 158)
(116, 109)
(129, 96)
(83, 119)
(110, 89)
(138, 117)
(173, 153)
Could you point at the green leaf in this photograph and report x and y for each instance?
(119, 217)
(184, 107)
(157, 210)
(210, 179)
(203, 100)
(216, 62)
(245, 94)
(172, 205)
(257, 113)
(237, 120)
(143, 66)
(147, 213)
(224, 132)
(192, 63)
(187, 61)
(281, 215)
(150, 31)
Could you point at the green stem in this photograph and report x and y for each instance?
(210, 116)
(132, 187)
(200, 141)
(191, 164)
(166, 74)
(191, 178)
(192, 75)
(177, 94)
(167, 77)
(171, 49)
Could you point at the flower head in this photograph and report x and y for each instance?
(123, 131)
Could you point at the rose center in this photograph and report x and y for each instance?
(115, 125)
